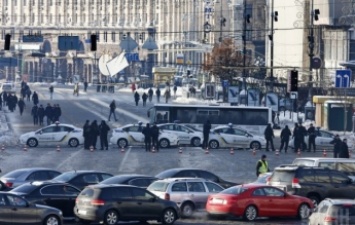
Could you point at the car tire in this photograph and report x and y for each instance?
(250, 213)
(32, 142)
(196, 142)
(164, 143)
(169, 216)
(303, 211)
(111, 217)
(122, 143)
(73, 142)
(255, 144)
(315, 199)
(187, 209)
(51, 220)
(213, 144)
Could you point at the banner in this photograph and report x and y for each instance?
(233, 94)
(253, 97)
(272, 101)
(117, 64)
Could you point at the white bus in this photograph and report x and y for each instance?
(251, 118)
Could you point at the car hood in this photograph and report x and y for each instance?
(28, 134)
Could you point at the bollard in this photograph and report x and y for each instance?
(324, 153)
(180, 150)
(299, 152)
(25, 148)
(277, 152)
(58, 148)
(254, 152)
(3, 148)
(153, 150)
(232, 151)
(122, 149)
(206, 151)
(91, 148)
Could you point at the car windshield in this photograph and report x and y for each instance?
(304, 162)
(282, 176)
(236, 190)
(65, 177)
(158, 186)
(14, 174)
(166, 174)
(25, 188)
(115, 180)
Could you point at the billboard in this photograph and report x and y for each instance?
(210, 90)
(254, 97)
(233, 94)
(272, 101)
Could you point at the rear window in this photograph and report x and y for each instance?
(166, 174)
(236, 190)
(25, 188)
(342, 210)
(115, 193)
(114, 180)
(14, 174)
(158, 186)
(87, 192)
(282, 176)
(65, 177)
(347, 167)
(304, 162)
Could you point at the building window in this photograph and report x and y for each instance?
(113, 36)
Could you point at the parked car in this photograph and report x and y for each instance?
(190, 194)
(15, 210)
(227, 136)
(99, 203)
(194, 173)
(58, 195)
(186, 135)
(312, 182)
(334, 211)
(54, 134)
(131, 179)
(263, 178)
(251, 201)
(3, 187)
(82, 178)
(20, 176)
(131, 135)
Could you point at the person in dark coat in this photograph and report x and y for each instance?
(94, 133)
(34, 114)
(40, 113)
(269, 135)
(155, 136)
(86, 134)
(136, 98)
(48, 112)
(15, 101)
(312, 138)
(150, 94)
(21, 105)
(302, 133)
(4, 98)
(157, 93)
(98, 87)
(206, 133)
(337, 145)
(344, 150)
(104, 129)
(112, 110)
(296, 137)
(144, 98)
(175, 89)
(51, 90)
(57, 112)
(28, 93)
(35, 98)
(147, 137)
(285, 138)
(86, 86)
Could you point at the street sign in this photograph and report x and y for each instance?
(293, 95)
(66, 43)
(32, 38)
(342, 78)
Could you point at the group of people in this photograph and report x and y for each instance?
(151, 136)
(110, 88)
(149, 96)
(341, 149)
(91, 131)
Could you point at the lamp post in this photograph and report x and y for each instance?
(314, 16)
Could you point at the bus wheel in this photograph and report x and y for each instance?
(214, 144)
(255, 145)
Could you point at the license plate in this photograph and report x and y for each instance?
(82, 212)
(217, 201)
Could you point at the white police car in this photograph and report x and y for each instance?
(227, 136)
(187, 136)
(131, 135)
(54, 134)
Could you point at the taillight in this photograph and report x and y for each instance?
(268, 180)
(77, 200)
(9, 184)
(329, 219)
(97, 202)
(167, 196)
(295, 183)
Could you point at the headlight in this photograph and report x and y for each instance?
(60, 212)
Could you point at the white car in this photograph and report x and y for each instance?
(232, 137)
(131, 135)
(54, 134)
(187, 135)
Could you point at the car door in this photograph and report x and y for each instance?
(135, 135)
(46, 135)
(21, 212)
(259, 198)
(280, 204)
(38, 176)
(183, 134)
(83, 180)
(147, 206)
(63, 134)
(241, 138)
(323, 139)
(213, 188)
(197, 193)
(342, 186)
(5, 211)
(226, 136)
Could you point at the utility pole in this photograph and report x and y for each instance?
(311, 52)
(271, 37)
(246, 18)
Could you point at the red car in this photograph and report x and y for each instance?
(251, 201)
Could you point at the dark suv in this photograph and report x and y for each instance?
(313, 182)
(110, 203)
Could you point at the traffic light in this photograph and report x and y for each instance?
(93, 40)
(7, 41)
(293, 80)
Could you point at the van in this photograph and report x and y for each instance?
(341, 164)
(7, 87)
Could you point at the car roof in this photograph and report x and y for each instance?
(183, 179)
(61, 124)
(341, 201)
(226, 126)
(325, 159)
(31, 169)
(109, 185)
(85, 171)
(253, 185)
(47, 182)
(131, 175)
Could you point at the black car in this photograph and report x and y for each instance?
(56, 194)
(110, 203)
(82, 178)
(15, 210)
(191, 172)
(316, 183)
(3, 187)
(131, 179)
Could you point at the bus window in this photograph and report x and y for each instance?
(162, 117)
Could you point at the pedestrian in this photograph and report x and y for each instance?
(23, 92)
(155, 136)
(28, 93)
(285, 138)
(144, 98)
(86, 134)
(206, 133)
(112, 110)
(98, 87)
(15, 101)
(296, 138)
(21, 105)
(262, 166)
(57, 112)
(175, 89)
(93, 134)
(269, 135)
(34, 114)
(157, 93)
(167, 95)
(344, 150)
(311, 138)
(136, 98)
(150, 94)
(147, 137)
(336, 142)
(51, 90)
(48, 112)
(76, 89)
(103, 129)
(86, 86)
(35, 98)
(40, 113)
(302, 133)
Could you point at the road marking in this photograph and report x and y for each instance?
(125, 159)
(73, 155)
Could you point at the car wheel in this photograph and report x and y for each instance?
(255, 145)
(164, 143)
(314, 199)
(111, 217)
(196, 142)
(251, 213)
(169, 216)
(122, 143)
(304, 211)
(187, 209)
(73, 142)
(32, 142)
(51, 220)
(213, 144)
